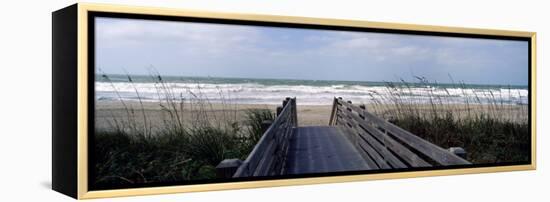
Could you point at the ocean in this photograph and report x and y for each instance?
(307, 92)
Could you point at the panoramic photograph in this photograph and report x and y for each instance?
(190, 102)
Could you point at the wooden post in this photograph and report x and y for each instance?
(349, 101)
(362, 114)
(285, 101)
(227, 168)
(333, 113)
(265, 125)
(459, 151)
(279, 110)
(295, 112)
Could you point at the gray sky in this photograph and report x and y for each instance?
(200, 49)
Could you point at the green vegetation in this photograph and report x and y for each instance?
(134, 151)
(491, 131)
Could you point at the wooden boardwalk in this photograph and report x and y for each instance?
(354, 140)
(322, 149)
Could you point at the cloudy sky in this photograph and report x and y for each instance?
(200, 49)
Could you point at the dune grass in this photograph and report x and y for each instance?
(493, 130)
(136, 152)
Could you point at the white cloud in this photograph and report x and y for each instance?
(251, 51)
(117, 33)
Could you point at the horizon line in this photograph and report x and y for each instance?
(294, 79)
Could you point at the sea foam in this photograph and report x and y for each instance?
(257, 93)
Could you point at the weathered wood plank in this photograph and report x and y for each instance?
(333, 112)
(383, 151)
(435, 152)
(322, 149)
(372, 153)
(410, 157)
(370, 161)
(380, 148)
(271, 148)
(264, 165)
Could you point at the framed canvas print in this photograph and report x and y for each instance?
(155, 100)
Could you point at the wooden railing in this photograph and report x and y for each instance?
(384, 144)
(269, 155)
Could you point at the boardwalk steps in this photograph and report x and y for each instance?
(355, 140)
(322, 149)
